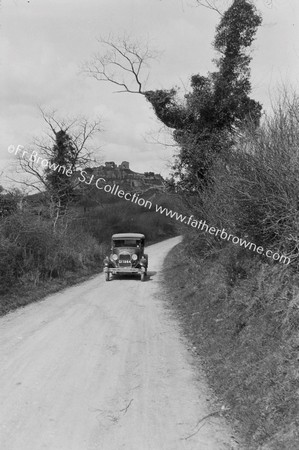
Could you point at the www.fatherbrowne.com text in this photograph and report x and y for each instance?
(222, 234)
(135, 198)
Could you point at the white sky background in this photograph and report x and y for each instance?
(43, 43)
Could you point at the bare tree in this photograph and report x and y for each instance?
(50, 164)
(220, 5)
(125, 63)
(211, 4)
(80, 130)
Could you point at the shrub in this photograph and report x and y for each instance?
(255, 191)
(32, 251)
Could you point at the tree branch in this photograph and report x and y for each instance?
(125, 64)
(210, 5)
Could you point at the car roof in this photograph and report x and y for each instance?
(128, 236)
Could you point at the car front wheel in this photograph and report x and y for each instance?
(142, 276)
(107, 278)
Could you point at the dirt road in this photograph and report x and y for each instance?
(102, 366)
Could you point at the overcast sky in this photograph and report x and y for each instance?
(44, 43)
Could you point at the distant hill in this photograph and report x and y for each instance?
(150, 185)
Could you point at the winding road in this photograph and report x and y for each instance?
(103, 366)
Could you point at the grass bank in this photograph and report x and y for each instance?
(242, 317)
(37, 260)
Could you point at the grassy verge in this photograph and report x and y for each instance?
(242, 317)
(24, 294)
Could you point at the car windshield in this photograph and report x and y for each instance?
(126, 243)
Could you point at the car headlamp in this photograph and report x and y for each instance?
(114, 257)
(134, 257)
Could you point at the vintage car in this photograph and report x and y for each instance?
(127, 256)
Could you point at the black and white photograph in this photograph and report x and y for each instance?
(149, 225)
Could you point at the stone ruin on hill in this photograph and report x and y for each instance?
(122, 174)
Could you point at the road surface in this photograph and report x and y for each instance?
(102, 366)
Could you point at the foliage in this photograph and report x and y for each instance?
(256, 194)
(123, 217)
(60, 185)
(205, 121)
(10, 200)
(218, 104)
(30, 250)
(241, 316)
(56, 157)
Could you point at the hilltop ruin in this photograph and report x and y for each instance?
(127, 178)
